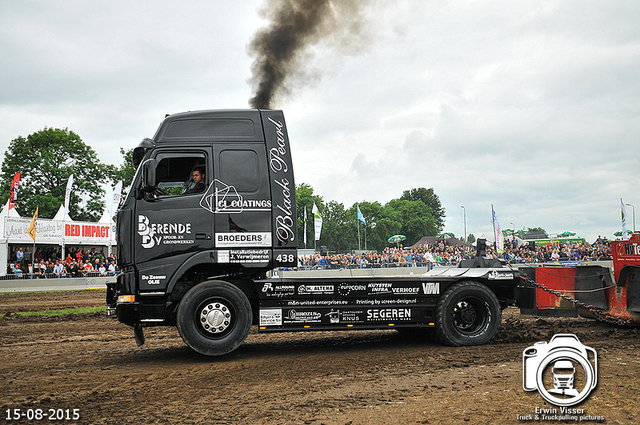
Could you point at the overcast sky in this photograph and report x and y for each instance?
(531, 106)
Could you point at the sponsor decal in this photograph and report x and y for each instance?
(406, 290)
(243, 256)
(316, 289)
(316, 302)
(270, 317)
(372, 301)
(225, 240)
(384, 314)
(431, 288)
(154, 234)
(223, 256)
(631, 249)
(242, 204)
(152, 279)
(223, 198)
(346, 288)
(345, 316)
(295, 316)
(270, 289)
(500, 275)
(379, 288)
(564, 372)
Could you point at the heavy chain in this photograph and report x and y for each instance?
(599, 313)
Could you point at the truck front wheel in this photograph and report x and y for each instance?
(468, 313)
(214, 318)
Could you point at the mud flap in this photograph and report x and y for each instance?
(138, 334)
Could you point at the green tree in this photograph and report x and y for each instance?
(371, 232)
(389, 223)
(415, 219)
(337, 234)
(125, 172)
(45, 160)
(411, 215)
(536, 229)
(430, 199)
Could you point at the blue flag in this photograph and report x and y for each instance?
(360, 216)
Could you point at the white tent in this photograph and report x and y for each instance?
(6, 212)
(106, 218)
(61, 216)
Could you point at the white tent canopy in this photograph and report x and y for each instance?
(61, 216)
(106, 218)
(6, 212)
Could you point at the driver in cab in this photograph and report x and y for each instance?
(196, 182)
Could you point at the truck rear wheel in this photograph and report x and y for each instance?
(468, 313)
(214, 318)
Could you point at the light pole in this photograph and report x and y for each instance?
(634, 216)
(464, 220)
(514, 229)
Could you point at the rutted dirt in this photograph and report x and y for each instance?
(91, 363)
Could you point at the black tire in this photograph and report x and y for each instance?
(468, 313)
(214, 318)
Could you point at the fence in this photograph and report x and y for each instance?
(21, 276)
(11, 285)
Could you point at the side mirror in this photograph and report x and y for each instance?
(148, 175)
(140, 150)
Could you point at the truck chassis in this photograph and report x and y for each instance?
(463, 306)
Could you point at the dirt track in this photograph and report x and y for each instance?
(91, 363)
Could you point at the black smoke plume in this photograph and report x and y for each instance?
(282, 48)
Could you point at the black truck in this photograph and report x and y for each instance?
(212, 211)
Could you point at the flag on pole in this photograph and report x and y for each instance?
(115, 202)
(360, 216)
(623, 211)
(317, 221)
(32, 226)
(305, 227)
(67, 195)
(13, 191)
(497, 231)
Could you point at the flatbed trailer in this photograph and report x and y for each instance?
(463, 304)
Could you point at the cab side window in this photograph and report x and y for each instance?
(174, 174)
(240, 168)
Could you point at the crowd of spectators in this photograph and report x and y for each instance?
(48, 263)
(422, 256)
(572, 251)
(91, 262)
(442, 254)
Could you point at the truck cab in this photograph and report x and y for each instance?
(239, 223)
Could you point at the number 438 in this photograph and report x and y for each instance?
(286, 258)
